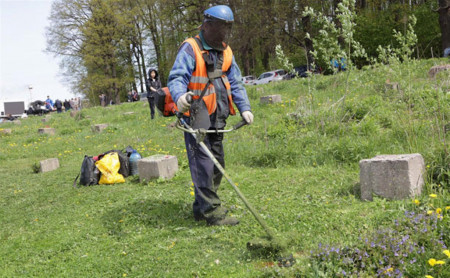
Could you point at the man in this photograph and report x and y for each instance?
(49, 103)
(58, 105)
(206, 70)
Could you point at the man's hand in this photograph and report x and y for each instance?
(248, 117)
(183, 104)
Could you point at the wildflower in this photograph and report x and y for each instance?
(440, 262)
(432, 262)
(416, 202)
(192, 193)
(428, 276)
(438, 210)
(430, 212)
(433, 195)
(447, 253)
(447, 208)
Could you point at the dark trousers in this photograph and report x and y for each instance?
(205, 176)
(151, 102)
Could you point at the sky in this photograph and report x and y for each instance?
(23, 61)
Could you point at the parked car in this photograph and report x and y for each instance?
(248, 80)
(270, 76)
(301, 71)
(37, 108)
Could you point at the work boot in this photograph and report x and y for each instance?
(225, 221)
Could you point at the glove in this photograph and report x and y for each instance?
(247, 116)
(182, 103)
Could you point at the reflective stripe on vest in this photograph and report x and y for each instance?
(199, 78)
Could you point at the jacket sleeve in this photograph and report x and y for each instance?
(147, 85)
(181, 72)
(238, 92)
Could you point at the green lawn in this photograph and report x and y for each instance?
(300, 171)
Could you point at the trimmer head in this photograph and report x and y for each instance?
(274, 248)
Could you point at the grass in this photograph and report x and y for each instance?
(297, 164)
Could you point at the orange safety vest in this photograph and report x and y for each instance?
(199, 78)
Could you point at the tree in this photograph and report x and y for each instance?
(444, 22)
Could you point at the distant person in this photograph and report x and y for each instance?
(153, 85)
(72, 103)
(129, 97)
(79, 103)
(67, 105)
(49, 103)
(102, 100)
(447, 52)
(58, 106)
(135, 96)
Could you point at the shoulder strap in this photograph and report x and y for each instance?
(75, 181)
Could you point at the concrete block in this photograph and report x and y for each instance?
(270, 99)
(99, 127)
(391, 86)
(157, 166)
(49, 165)
(392, 176)
(434, 70)
(47, 130)
(5, 131)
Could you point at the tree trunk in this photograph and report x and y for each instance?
(309, 47)
(444, 22)
(141, 55)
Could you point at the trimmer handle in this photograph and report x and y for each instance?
(240, 124)
(189, 98)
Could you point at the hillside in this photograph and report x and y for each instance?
(298, 164)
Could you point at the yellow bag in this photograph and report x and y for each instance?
(109, 167)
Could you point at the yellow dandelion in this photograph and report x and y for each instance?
(440, 262)
(428, 276)
(438, 210)
(433, 196)
(124, 275)
(447, 208)
(432, 262)
(416, 202)
(447, 253)
(192, 193)
(430, 212)
(121, 220)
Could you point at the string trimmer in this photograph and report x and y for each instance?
(271, 243)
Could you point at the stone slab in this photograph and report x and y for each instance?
(99, 127)
(5, 131)
(157, 166)
(393, 177)
(49, 165)
(391, 86)
(434, 70)
(47, 130)
(270, 99)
